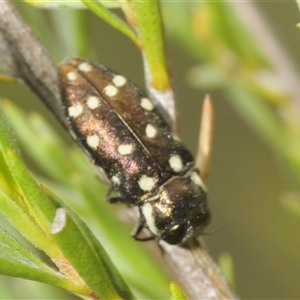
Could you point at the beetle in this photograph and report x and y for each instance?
(128, 139)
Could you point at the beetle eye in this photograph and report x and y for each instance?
(175, 234)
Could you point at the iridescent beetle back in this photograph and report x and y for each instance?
(125, 135)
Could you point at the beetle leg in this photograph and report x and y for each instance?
(137, 231)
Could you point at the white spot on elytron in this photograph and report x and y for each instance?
(75, 110)
(146, 104)
(85, 67)
(119, 80)
(146, 183)
(59, 222)
(93, 141)
(116, 180)
(197, 180)
(110, 90)
(147, 211)
(93, 102)
(151, 131)
(125, 149)
(175, 162)
(72, 76)
(175, 137)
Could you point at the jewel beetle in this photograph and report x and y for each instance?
(129, 140)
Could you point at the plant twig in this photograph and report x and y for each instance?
(196, 270)
(25, 58)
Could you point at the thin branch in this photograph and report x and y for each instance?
(197, 272)
(25, 58)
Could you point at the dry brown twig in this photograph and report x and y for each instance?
(25, 58)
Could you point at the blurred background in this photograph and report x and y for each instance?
(252, 184)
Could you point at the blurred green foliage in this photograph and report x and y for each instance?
(230, 59)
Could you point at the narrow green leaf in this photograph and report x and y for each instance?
(150, 29)
(56, 4)
(176, 293)
(24, 224)
(88, 257)
(16, 204)
(110, 18)
(39, 207)
(5, 134)
(74, 4)
(17, 261)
